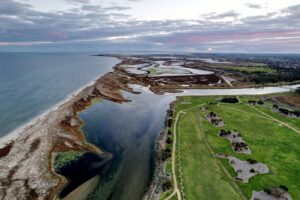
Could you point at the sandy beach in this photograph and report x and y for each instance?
(29, 149)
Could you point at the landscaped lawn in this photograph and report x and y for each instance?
(206, 177)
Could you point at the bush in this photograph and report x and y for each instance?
(283, 188)
(297, 113)
(252, 102)
(169, 140)
(251, 161)
(260, 102)
(166, 186)
(166, 154)
(230, 100)
(170, 120)
(284, 111)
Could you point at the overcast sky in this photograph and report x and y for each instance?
(271, 26)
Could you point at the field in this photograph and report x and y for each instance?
(251, 69)
(273, 139)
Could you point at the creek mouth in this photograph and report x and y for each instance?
(81, 170)
(129, 132)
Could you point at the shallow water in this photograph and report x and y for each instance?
(129, 132)
(30, 83)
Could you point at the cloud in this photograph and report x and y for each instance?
(119, 8)
(110, 26)
(78, 1)
(254, 6)
(228, 14)
(91, 8)
(8, 7)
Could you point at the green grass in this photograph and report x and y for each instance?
(205, 177)
(64, 158)
(275, 145)
(251, 69)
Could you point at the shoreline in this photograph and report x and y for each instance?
(15, 133)
(12, 135)
(29, 149)
(57, 130)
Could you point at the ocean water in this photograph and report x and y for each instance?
(31, 83)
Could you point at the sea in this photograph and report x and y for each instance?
(32, 83)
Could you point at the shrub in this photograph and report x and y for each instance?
(251, 161)
(260, 102)
(166, 186)
(283, 188)
(169, 140)
(230, 100)
(284, 111)
(166, 154)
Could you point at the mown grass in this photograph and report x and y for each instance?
(202, 166)
(270, 142)
(62, 159)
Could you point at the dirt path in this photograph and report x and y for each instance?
(277, 120)
(266, 116)
(239, 110)
(176, 189)
(227, 81)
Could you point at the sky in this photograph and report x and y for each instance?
(243, 26)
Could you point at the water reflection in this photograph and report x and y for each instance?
(129, 132)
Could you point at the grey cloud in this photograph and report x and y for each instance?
(95, 26)
(254, 6)
(92, 8)
(78, 1)
(222, 15)
(119, 8)
(8, 7)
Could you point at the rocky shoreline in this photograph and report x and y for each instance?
(160, 178)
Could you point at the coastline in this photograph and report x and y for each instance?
(15, 133)
(30, 148)
(54, 131)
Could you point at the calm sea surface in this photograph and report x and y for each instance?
(30, 83)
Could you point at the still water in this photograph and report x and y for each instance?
(128, 131)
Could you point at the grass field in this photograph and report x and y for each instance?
(269, 135)
(252, 69)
